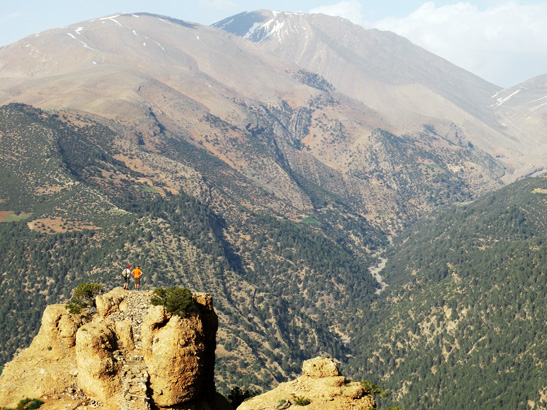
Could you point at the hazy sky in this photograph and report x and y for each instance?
(504, 42)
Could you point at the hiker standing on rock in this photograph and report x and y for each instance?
(126, 273)
(137, 275)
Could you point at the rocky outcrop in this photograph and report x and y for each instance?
(98, 369)
(321, 384)
(126, 355)
(130, 355)
(172, 343)
(48, 365)
(320, 368)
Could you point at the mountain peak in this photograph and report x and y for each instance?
(259, 25)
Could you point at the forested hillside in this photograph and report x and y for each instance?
(463, 321)
(79, 203)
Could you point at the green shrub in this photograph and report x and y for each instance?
(83, 296)
(177, 301)
(373, 389)
(32, 405)
(26, 404)
(238, 395)
(301, 400)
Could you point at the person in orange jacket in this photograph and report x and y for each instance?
(137, 273)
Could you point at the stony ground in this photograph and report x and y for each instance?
(135, 374)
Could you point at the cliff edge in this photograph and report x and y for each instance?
(126, 355)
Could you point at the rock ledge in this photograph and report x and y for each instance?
(320, 383)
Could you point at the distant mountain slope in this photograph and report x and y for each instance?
(407, 85)
(522, 112)
(359, 61)
(286, 130)
(463, 320)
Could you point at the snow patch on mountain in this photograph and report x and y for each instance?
(500, 101)
(252, 30)
(112, 18)
(278, 27)
(80, 41)
(160, 46)
(258, 26)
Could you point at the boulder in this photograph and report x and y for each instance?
(320, 367)
(109, 302)
(124, 332)
(177, 345)
(155, 319)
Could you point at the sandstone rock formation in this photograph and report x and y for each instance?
(100, 359)
(49, 363)
(320, 383)
(98, 369)
(171, 344)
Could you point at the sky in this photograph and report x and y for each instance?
(502, 41)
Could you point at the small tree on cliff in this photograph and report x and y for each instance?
(177, 301)
(238, 395)
(26, 404)
(373, 389)
(83, 296)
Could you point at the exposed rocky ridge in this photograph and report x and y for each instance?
(100, 359)
(322, 384)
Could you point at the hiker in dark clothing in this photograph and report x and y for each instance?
(126, 273)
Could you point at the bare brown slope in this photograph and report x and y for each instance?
(112, 58)
(283, 128)
(399, 80)
(149, 73)
(522, 113)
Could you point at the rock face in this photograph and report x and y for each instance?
(127, 355)
(171, 344)
(98, 369)
(48, 365)
(320, 368)
(320, 383)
